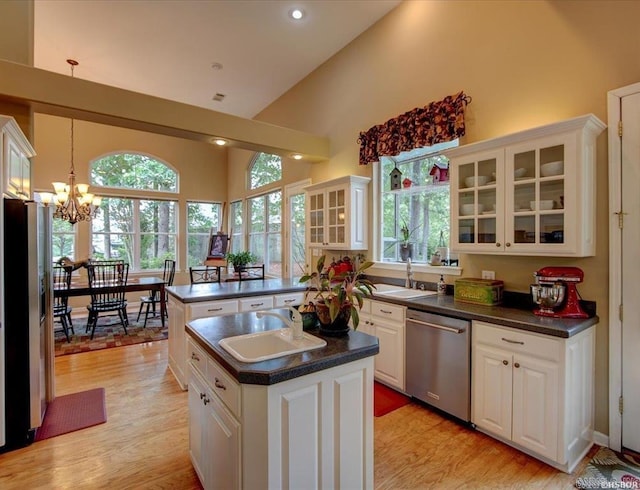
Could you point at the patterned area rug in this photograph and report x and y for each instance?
(609, 469)
(109, 333)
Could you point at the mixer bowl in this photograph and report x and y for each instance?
(548, 296)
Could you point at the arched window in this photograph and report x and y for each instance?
(264, 169)
(133, 171)
(139, 226)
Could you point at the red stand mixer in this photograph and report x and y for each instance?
(556, 294)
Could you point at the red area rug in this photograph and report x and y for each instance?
(73, 412)
(109, 333)
(386, 400)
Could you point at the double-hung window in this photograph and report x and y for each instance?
(265, 230)
(202, 219)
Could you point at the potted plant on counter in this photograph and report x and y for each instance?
(338, 296)
(241, 260)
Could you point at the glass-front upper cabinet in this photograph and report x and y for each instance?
(530, 193)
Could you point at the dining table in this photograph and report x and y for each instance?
(79, 287)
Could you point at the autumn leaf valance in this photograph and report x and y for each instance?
(423, 126)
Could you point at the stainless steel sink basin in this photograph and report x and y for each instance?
(261, 346)
(399, 292)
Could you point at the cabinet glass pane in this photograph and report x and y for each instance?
(487, 168)
(466, 170)
(486, 230)
(487, 201)
(552, 228)
(467, 204)
(524, 229)
(553, 190)
(552, 154)
(15, 169)
(466, 231)
(523, 194)
(524, 165)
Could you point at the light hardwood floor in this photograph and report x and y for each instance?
(144, 442)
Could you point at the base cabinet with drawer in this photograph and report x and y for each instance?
(534, 392)
(182, 313)
(386, 321)
(314, 431)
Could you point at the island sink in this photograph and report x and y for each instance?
(261, 346)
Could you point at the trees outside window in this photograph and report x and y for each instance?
(423, 208)
(265, 230)
(142, 229)
(202, 217)
(63, 238)
(235, 227)
(264, 169)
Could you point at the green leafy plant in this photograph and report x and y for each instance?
(406, 234)
(241, 258)
(340, 291)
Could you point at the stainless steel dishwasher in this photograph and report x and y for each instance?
(438, 370)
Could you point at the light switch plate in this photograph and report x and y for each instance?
(488, 275)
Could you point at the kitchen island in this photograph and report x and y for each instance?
(192, 301)
(299, 421)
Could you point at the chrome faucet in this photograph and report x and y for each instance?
(409, 282)
(294, 324)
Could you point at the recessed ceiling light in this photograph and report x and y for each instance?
(296, 156)
(296, 13)
(220, 142)
(219, 97)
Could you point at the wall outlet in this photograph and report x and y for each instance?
(488, 275)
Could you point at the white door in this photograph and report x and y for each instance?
(630, 178)
(624, 267)
(295, 248)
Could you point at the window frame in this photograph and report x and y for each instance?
(204, 235)
(378, 181)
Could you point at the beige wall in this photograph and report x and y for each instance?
(202, 167)
(524, 64)
(16, 31)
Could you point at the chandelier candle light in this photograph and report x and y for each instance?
(73, 201)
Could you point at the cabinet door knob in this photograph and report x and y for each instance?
(517, 364)
(508, 244)
(220, 385)
(498, 244)
(194, 356)
(505, 362)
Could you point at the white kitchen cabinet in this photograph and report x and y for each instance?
(256, 303)
(337, 214)
(212, 430)
(314, 431)
(534, 392)
(386, 321)
(176, 337)
(529, 193)
(16, 152)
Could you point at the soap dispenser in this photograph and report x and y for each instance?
(442, 286)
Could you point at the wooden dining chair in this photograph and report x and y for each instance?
(204, 274)
(61, 308)
(107, 283)
(153, 298)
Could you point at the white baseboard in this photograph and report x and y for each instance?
(600, 439)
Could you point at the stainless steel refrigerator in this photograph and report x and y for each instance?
(26, 290)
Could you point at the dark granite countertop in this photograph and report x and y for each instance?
(192, 293)
(207, 332)
(522, 319)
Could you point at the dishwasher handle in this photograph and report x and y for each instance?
(433, 325)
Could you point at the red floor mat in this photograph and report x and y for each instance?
(73, 412)
(386, 400)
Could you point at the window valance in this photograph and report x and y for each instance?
(437, 122)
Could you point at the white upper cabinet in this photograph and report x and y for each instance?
(337, 214)
(15, 164)
(529, 193)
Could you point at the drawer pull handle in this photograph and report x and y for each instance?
(220, 385)
(214, 309)
(386, 312)
(505, 362)
(255, 305)
(517, 364)
(513, 341)
(202, 395)
(194, 356)
(289, 300)
(205, 401)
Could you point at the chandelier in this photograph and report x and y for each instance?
(73, 201)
